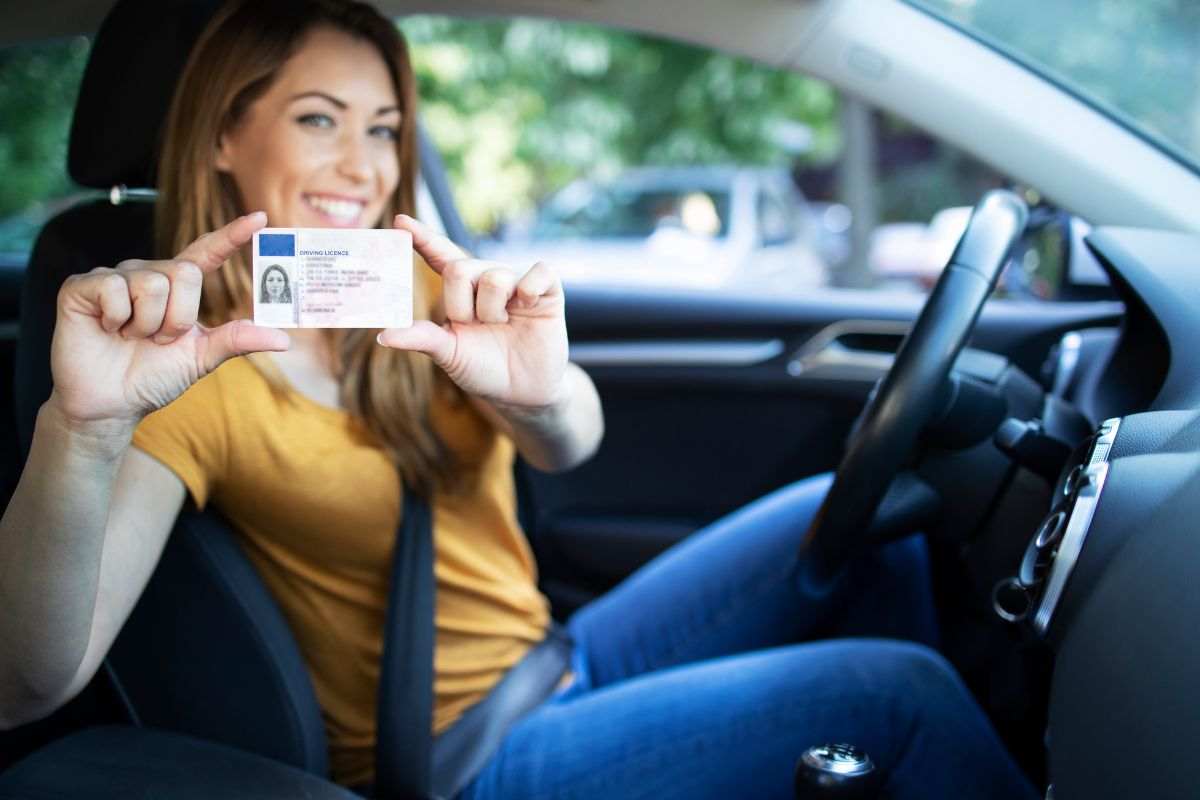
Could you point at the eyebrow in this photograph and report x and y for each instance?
(339, 103)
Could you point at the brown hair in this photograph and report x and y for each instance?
(233, 64)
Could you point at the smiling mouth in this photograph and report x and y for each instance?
(338, 210)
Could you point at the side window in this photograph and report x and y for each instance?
(631, 160)
(38, 86)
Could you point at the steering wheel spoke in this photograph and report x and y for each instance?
(911, 393)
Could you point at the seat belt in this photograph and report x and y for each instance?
(461, 752)
(404, 717)
(409, 765)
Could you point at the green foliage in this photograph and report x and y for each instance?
(519, 108)
(38, 86)
(1141, 59)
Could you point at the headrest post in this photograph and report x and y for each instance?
(123, 194)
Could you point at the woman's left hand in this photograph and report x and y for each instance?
(505, 338)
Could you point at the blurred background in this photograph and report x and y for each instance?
(623, 159)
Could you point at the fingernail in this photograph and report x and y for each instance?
(163, 338)
(379, 338)
(258, 215)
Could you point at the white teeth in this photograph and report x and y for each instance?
(340, 209)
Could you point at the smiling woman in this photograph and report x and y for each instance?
(316, 141)
(317, 446)
(318, 159)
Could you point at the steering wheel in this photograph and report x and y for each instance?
(911, 393)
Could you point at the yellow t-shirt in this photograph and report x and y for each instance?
(317, 505)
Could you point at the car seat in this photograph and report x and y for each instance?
(206, 652)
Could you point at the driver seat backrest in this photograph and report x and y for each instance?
(206, 650)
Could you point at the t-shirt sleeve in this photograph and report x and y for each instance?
(190, 437)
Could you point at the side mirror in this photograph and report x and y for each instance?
(1054, 261)
(1083, 269)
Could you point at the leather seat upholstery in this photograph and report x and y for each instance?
(120, 761)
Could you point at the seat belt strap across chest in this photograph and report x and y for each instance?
(404, 717)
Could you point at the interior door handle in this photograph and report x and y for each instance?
(676, 353)
(850, 350)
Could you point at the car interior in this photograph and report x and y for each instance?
(1047, 449)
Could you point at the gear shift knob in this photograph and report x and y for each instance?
(836, 772)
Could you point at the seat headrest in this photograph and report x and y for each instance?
(136, 61)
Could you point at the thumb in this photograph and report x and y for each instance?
(423, 337)
(238, 338)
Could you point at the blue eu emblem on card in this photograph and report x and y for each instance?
(276, 244)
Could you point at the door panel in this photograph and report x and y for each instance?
(713, 400)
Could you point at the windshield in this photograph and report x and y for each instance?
(1140, 61)
(587, 211)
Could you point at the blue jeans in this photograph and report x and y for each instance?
(689, 681)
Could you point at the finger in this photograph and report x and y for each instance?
(459, 279)
(132, 265)
(423, 337)
(149, 291)
(101, 293)
(437, 250)
(213, 249)
(183, 304)
(540, 281)
(491, 298)
(238, 338)
(183, 301)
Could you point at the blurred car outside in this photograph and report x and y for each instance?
(833, 231)
(706, 227)
(906, 254)
(910, 256)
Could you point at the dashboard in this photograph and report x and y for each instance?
(1113, 571)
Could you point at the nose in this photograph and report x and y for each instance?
(354, 160)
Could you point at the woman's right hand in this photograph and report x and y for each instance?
(127, 342)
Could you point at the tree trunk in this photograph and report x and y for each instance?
(857, 185)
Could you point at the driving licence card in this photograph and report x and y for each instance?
(333, 278)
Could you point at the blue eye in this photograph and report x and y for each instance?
(385, 132)
(316, 120)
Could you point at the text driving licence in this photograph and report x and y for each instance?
(332, 278)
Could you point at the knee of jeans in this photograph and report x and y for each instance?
(931, 687)
(908, 669)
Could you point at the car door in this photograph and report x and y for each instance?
(713, 401)
(712, 398)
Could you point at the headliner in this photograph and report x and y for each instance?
(769, 30)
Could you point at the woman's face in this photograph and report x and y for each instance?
(318, 149)
(275, 284)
